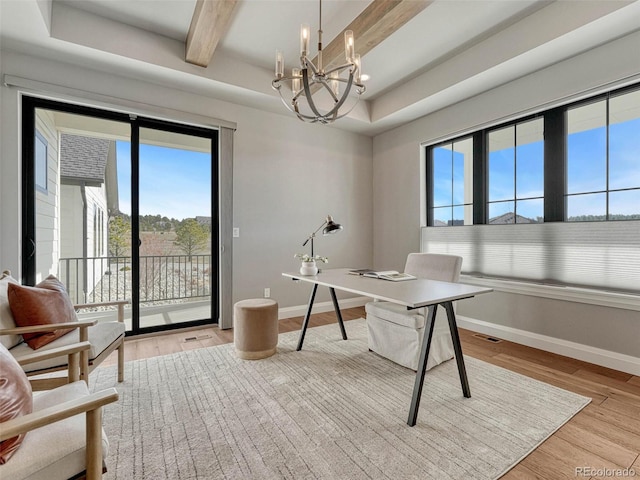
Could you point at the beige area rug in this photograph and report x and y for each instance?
(332, 411)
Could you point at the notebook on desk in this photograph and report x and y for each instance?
(391, 275)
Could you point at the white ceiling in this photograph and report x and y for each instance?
(452, 50)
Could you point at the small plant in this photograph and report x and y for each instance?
(308, 258)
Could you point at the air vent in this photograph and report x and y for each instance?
(201, 337)
(488, 339)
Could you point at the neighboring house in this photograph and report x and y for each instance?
(504, 219)
(508, 218)
(88, 195)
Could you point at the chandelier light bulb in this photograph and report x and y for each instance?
(358, 63)
(279, 64)
(349, 45)
(335, 84)
(296, 84)
(304, 39)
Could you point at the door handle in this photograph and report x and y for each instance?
(33, 248)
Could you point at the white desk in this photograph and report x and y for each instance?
(413, 294)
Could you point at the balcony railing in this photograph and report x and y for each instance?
(162, 278)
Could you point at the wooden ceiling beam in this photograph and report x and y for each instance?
(209, 23)
(374, 25)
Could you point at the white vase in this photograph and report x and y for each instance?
(309, 268)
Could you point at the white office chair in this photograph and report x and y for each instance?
(397, 333)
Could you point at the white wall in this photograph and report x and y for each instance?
(48, 203)
(398, 175)
(287, 177)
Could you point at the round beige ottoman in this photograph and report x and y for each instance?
(255, 328)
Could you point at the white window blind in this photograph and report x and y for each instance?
(600, 255)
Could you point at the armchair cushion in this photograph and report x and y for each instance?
(46, 303)
(15, 399)
(101, 336)
(6, 319)
(60, 447)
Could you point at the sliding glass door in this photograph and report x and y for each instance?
(174, 219)
(121, 207)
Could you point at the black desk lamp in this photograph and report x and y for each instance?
(330, 228)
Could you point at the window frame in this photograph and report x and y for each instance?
(430, 169)
(555, 152)
(606, 97)
(515, 199)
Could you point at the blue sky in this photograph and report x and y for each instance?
(587, 166)
(173, 183)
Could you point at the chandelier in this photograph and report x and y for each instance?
(309, 78)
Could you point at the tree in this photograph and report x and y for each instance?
(119, 236)
(191, 236)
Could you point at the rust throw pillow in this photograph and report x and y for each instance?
(15, 399)
(46, 303)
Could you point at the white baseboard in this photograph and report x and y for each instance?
(319, 307)
(586, 353)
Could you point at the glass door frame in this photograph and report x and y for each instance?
(28, 215)
(136, 125)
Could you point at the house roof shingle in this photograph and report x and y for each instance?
(83, 157)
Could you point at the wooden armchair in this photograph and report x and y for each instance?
(59, 442)
(104, 338)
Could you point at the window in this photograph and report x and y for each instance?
(41, 164)
(103, 232)
(578, 162)
(98, 231)
(452, 175)
(95, 231)
(569, 172)
(516, 173)
(603, 164)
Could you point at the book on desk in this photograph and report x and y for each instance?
(391, 275)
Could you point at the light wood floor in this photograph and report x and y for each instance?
(603, 436)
